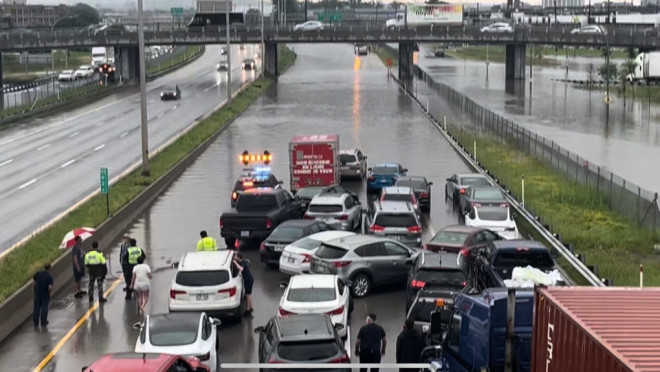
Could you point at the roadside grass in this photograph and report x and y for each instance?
(581, 52)
(18, 267)
(287, 57)
(16, 72)
(169, 63)
(385, 53)
(495, 53)
(578, 213)
(66, 95)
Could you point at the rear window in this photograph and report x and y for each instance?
(395, 220)
(450, 237)
(325, 208)
(493, 214)
(330, 252)
(488, 194)
(307, 243)
(172, 333)
(397, 197)
(311, 294)
(347, 158)
(256, 203)
(412, 184)
(202, 278)
(287, 233)
(307, 351)
(441, 278)
(474, 181)
(384, 170)
(513, 258)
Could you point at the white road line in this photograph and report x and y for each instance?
(123, 135)
(28, 183)
(68, 163)
(75, 134)
(99, 147)
(6, 162)
(209, 88)
(44, 147)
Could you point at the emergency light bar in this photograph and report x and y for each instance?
(247, 158)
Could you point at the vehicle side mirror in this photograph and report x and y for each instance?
(216, 322)
(405, 169)
(365, 157)
(259, 329)
(137, 326)
(365, 210)
(450, 180)
(175, 265)
(430, 183)
(280, 182)
(339, 327)
(370, 169)
(283, 284)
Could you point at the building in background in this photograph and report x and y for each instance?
(563, 3)
(30, 16)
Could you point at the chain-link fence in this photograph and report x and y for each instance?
(624, 197)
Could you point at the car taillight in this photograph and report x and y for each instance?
(283, 312)
(462, 191)
(425, 247)
(464, 283)
(337, 311)
(504, 205)
(222, 224)
(417, 284)
(414, 199)
(415, 229)
(376, 228)
(204, 357)
(269, 223)
(173, 293)
(343, 217)
(262, 246)
(423, 194)
(234, 195)
(308, 217)
(341, 263)
(464, 252)
(308, 257)
(342, 359)
(371, 178)
(231, 291)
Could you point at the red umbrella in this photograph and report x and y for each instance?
(70, 237)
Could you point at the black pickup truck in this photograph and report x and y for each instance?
(488, 267)
(256, 214)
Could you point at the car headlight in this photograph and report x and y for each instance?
(162, 94)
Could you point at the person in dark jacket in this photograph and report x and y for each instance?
(243, 266)
(43, 287)
(78, 260)
(123, 260)
(409, 346)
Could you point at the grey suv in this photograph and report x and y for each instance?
(353, 164)
(365, 261)
(397, 220)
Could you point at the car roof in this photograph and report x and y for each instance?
(328, 198)
(305, 327)
(205, 260)
(503, 244)
(348, 152)
(437, 260)
(313, 280)
(395, 206)
(461, 228)
(479, 188)
(325, 236)
(297, 223)
(397, 190)
(412, 178)
(466, 175)
(354, 241)
(386, 165)
(131, 362)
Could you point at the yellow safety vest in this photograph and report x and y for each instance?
(133, 254)
(207, 244)
(94, 258)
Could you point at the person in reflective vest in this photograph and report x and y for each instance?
(98, 269)
(133, 254)
(206, 243)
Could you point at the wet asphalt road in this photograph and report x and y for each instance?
(54, 162)
(328, 90)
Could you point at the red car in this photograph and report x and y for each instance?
(134, 362)
(455, 238)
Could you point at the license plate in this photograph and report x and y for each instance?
(321, 268)
(383, 181)
(292, 260)
(396, 237)
(245, 234)
(202, 297)
(278, 248)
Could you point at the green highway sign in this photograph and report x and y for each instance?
(104, 180)
(177, 11)
(330, 17)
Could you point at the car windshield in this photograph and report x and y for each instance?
(493, 214)
(523, 258)
(330, 252)
(287, 233)
(202, 278)
(307, 243)
(164, 332)
(326, 208)
(450, 237)
(487, 194)
(309, 192)
(306, 351)
(474, 181)
(397, 197)
(441, 277)
(384, 170)
(347, 158)
(395, 220)
(256, 203)
(311, 294)
(413, 184)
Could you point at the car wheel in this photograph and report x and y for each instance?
(361, 285)
(230, 242)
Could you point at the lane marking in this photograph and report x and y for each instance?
(123, 135)
(99, 147)
(28, 183)
(44, 147)
(6, 162)
(74, 329)
(68, 163)
(75, 134)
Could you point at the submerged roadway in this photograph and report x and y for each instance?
(49, 164)
(328, 90)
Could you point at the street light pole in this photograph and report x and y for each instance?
(227, 10)
(263, 43)
(143, 94)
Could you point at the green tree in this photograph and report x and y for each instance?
(79, 15)
(626, 69)
(608, 74)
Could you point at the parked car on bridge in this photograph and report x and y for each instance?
(589, 29)
(308, 26)
(497, 28)
(67, 75)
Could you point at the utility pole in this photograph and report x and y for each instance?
(263, 43)
(227, 10)
(143, 94)
(555, 2)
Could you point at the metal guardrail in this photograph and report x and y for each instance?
(551, 238)
(9, 88)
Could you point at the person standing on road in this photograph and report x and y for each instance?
(98, 269)
(123, 260)
(243, 266)
(133, 254)
(43, 287)
(141, 282)
(371, 343)
(78, 259)
(206, 243)
(409, 346)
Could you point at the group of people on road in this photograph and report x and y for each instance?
(137, 274)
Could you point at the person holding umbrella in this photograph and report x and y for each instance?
(78, 260)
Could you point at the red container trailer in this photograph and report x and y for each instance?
(314, 161)
(584, 329)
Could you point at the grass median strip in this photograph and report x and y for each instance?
(170, 63)
(18, 267)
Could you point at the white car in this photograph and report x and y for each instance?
(296, 256)
(498, 28)
(308, 26)
(223, 51)
(185, 334)
(222, 66)
(497, 219)
(208, 281)
(340, 211)
(590, 29)
(84, 71)
(67, 75)
(318, 294)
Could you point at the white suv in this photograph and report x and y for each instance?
(340, 211)
(209, 282)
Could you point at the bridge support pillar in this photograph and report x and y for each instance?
(515, 61)
(406, 53)
(271, 55)
(128, 63)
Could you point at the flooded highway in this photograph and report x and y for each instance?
(328, 90)
(573, 117)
